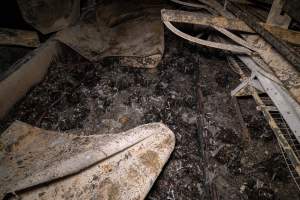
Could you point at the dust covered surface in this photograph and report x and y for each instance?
(107, 98)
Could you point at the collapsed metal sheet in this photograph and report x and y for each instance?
(282, 69)
(127, 31)
(110, 166)
(50, 15)
(271, 63)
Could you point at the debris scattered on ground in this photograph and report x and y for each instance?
(109, 98)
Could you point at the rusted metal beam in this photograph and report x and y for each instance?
(286, 51)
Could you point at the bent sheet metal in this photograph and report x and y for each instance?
(40, 164)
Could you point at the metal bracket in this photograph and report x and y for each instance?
(243, 88)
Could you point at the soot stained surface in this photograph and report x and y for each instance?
(105, 98)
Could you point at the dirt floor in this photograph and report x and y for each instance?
(107, 98)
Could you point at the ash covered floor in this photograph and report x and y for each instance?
(107, 98)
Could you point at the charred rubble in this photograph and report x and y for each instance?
(149, 99)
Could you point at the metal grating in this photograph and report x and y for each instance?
(287, 133)
(282, 125)
(291, 169)
(238, 63)
(277, 122)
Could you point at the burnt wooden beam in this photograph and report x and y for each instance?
(285, 50)
(245, 131)
(197, 18)
(204, 20)
(276, 18)
(19, 37)
(287, 35)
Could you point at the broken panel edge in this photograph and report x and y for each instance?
(25, 73)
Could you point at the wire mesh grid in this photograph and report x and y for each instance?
(291, 169)
(242, 66)
(282, 125)
(288, 134)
